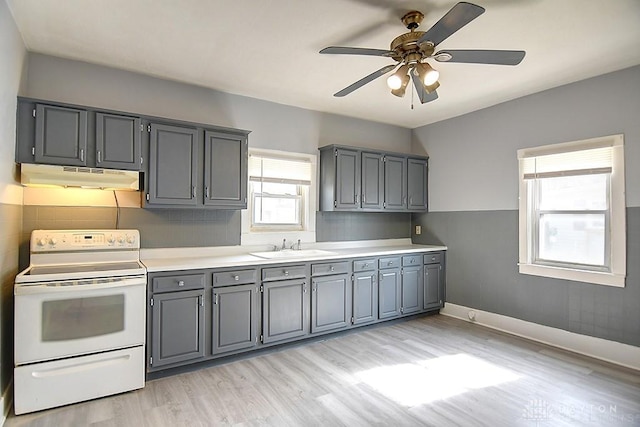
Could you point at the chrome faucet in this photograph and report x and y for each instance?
(296, 246)
(284, 244)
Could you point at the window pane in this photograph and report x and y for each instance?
(582, 192)
(275, 210)
(572, 238)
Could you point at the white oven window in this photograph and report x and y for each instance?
(69, 319)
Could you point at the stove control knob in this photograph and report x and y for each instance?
(131, 240)
(42, 242)
(121, 239)
(111, 240)
(53, 241)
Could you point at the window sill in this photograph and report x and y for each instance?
(275, 237)
(596, 277)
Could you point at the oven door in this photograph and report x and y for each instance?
(54, 321)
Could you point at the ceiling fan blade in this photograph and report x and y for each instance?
(339, 50)
(422, 94)
(496, 57)
(363, 81)
(459, 16)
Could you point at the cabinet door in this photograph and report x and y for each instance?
(417, 180)
(61, 135)
(365, 297)
(372, 181)
(284, 310)
(330, 303)
(177, 333)
(389, 293)
(347, 179)
(235, 310)
(433, 286)
(118, 141)
(411, 290)
(395, 183)
(173, 153)
(225, 170)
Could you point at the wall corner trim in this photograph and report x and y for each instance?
(598, 348)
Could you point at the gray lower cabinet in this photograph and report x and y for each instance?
(177, 327)
(173, 162)
(285, 312)
(365, 297)
(389, 288)
(411, 290)
(330, 302)
(434, 281)
(235, 318)
(118, 141)
(61, 135)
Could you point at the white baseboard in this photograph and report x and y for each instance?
(6, 400)
(598, 348)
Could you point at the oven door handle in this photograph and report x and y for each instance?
(51, 288)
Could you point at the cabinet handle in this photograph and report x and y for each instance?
(181, 283)
(99, 157)
(286, 273)
(193, 191)
(82, 155)
(201, 301)
(331, 268)
(373, 278)
(304, 287)
(366, 264)
(215, 299)
(364, 198)
(357, 196)
(236, 277)
(206, 192)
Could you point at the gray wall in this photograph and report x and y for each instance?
(12, 69)
(473, 193)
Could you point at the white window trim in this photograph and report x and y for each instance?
(249, 237)
(618, 216)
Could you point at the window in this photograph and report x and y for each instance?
(281, 198)
(572, 211)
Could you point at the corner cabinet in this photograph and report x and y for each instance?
(196, 167)
(354, 179)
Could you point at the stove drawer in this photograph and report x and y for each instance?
(180, 282)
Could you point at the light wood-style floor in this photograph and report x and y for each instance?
(434, 371)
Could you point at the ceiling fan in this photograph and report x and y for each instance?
(412, 50)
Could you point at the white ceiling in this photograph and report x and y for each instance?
(269, 49)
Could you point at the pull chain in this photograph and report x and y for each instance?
(412, 98)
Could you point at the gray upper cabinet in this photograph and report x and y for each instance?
(372, 181)
(226, 155)
(395, 183)
(235, 318)
(417, 182)
(61, 135)
(173, 161)
(118, 141)
(352, 179)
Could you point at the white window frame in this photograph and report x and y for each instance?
(274, 234)
(617, 217)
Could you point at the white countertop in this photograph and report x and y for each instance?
(172, 259)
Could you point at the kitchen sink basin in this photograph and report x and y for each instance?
(289, 253)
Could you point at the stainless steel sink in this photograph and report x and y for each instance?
(289, 253)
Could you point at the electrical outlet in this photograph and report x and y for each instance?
(418, 229)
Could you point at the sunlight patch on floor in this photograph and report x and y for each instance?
(412, 384)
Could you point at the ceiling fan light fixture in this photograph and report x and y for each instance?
(399, 92)
(430, 88)
(428, 76)
(397, 80)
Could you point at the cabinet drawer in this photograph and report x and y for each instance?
(178, 283)
(364, 265)
(433, 258)
(409, 260)
(389, 262)
(286, 272)
(329, 268)
(234, 277)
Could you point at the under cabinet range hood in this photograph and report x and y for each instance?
(78, 176)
